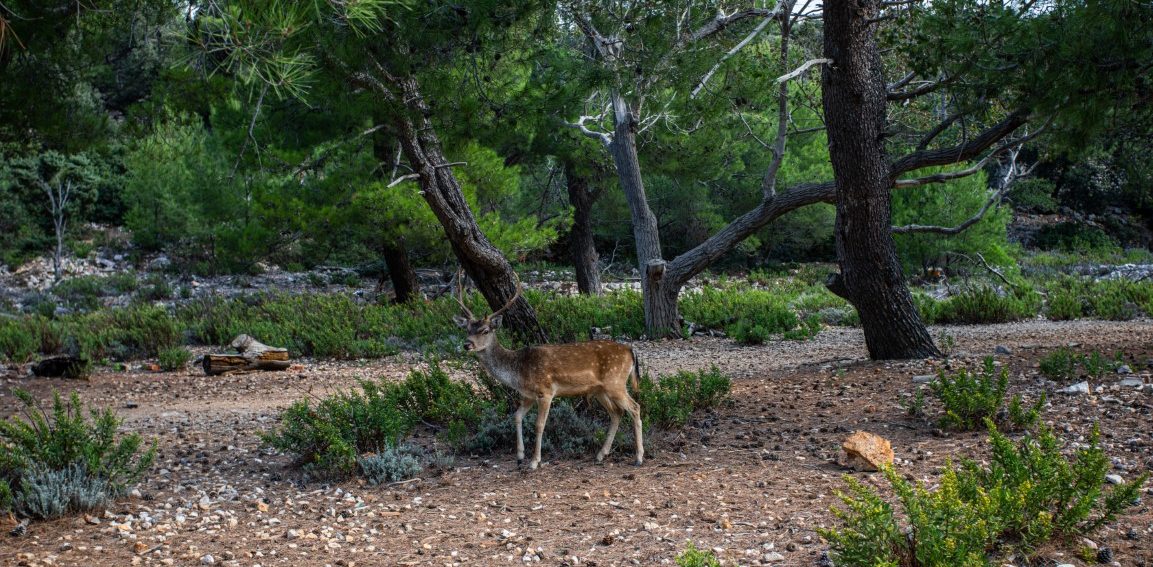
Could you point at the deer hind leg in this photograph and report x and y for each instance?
(614, 422)
(625, 401)
(525, 405)
(543, 406)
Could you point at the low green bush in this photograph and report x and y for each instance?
(1074, 237)
(693, 557)
(175, 358)
(971, 397)
(58, 461)
(393, 464)
(743, 314)
(1029, 494)
(670, 401)
(1060, 364)
(568, 433)
(1064, 305)
(986, 304)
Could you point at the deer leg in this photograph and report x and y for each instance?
(541, 417)
(525, 405)
(614, 422)
(630, 405)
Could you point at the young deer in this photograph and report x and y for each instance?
(600, 369)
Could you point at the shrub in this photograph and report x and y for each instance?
(59, 462)
(1073, 237)
(669, 401)
(986, 304)
(568, 433)
(1061, 364)
(394, 464)
(81, 293)
(1028, 495)
(693, 557)
(175, 358)
(328, 436)
(970, 398)
(1064, 305)
(749, 313)
(430, 396)
(18, 342)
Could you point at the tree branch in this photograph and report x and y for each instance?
(964, 151)
(921, 90)
(748, 39)
(804, 67)
(723, 21)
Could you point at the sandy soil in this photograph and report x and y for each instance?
(752, 480)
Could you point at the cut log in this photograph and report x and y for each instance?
(250, 355)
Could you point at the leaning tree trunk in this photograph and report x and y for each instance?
(400, 272)
(661, 316)
(581, 245)
(482, 261)
(854, 104)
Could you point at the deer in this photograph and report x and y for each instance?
(598, 369)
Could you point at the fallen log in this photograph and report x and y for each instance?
(251, 355)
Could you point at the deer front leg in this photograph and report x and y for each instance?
(541, 418)
(525, 405)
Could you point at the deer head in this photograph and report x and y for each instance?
(481, 331)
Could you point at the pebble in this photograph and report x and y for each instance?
(924, 378)
(208, 560)
(773, 557)
(1114, 479)
(1002, 349)
(1124, 369)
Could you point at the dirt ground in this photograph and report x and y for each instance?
(752, 480)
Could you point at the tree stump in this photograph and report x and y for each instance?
(251, 355)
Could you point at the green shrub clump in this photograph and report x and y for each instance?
(175, 358)
(60, 462)
(987, 304)
(693, 557)
(970, 398)
(670, 401)
(1029, 494)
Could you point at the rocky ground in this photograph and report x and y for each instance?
(752, 480)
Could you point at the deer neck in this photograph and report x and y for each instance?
(501, 363)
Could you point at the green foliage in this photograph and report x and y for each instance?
(971, 398)
(1074, 237)
(1060, 364)
(743, 313)
(670, 401)
(1063, 362)
(987, 304)
(328, 434)
(693, 557)
(59, 461)
(569, 317)
(175, 358)
(1029, 494)
(1064, 305)
(1034, 195)
(394, 464)
(569, 432)
(949, 204)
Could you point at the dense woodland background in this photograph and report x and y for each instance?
(656, 139)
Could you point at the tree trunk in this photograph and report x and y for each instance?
(661, 319)
(404, 282)
(482, 261)
(854, 102)
(581, 245)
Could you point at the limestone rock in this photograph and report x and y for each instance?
(865, 451)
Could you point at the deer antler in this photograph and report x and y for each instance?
(459, 297)
(516, 295)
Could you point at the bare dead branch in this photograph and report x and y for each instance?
(739, 46)
(804, 67)
(964, 151)
(723, 21)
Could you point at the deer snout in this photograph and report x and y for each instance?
(469, 346)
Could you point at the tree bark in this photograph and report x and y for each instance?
(661, 316)
(854, 97)
(581, 245)
(481, 260)
(400, 272)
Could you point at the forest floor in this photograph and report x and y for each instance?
(751, 480)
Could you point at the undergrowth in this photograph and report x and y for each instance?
(969, 398)
(59, 461)
(1029, 494)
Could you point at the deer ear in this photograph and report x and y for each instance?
(494, 322)
(461, 322)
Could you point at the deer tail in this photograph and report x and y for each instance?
(635, 376)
